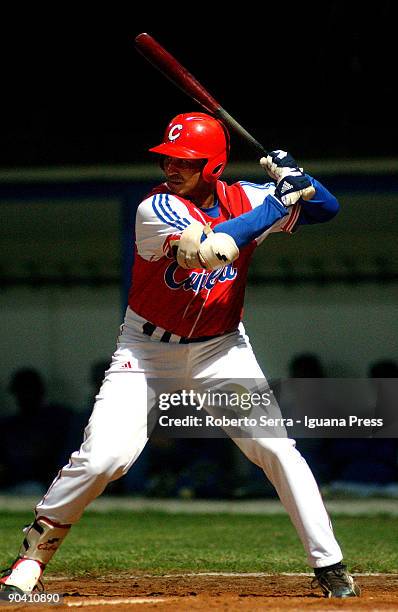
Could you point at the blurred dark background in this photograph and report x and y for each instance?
(314, 79)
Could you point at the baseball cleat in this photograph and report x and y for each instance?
(22, 577)
(8, 589)
(336, 582)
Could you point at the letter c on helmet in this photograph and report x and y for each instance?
(175, 131)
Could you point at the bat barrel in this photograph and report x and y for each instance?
(167, 64)
(177, 74)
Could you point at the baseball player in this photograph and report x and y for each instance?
(195, 236)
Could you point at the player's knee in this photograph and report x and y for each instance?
(107, 468)
(252, 451)
(280, 447)
(270, 451)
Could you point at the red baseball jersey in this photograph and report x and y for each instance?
(193, 303)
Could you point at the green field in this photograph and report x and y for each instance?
(159, 542)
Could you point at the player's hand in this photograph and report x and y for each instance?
(218, 250)
(294, 186)
(278, 164)
(188, 245)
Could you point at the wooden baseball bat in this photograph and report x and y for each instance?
(177, 74)
(173, 70)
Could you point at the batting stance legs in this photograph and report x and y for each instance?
(117, 433)
(296, 487)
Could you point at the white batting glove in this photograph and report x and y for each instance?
(294, 186)
(278, 164)
(218, 250)
(188, 246)
(291, 182)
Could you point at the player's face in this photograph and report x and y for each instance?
(183, 176)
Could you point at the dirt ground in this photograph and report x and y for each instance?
(207, 592)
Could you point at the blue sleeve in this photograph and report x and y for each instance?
(252, 224)
(321, 208)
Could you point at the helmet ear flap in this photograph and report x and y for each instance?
(218, 169)
(212, 171)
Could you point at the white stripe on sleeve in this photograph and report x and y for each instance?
(157, 217)
(256, 194)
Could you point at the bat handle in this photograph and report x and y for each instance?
(231, 122)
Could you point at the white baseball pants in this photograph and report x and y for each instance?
(116, 433)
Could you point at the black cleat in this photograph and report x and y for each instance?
(336, 582)
(8, 589)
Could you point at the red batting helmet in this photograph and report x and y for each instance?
(197, 136)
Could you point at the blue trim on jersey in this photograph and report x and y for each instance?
(183, 220)
(163, 202)
(213, 211)
(165, 219)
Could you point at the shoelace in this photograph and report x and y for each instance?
(39, 586)
(6, 571)
(339, 578)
